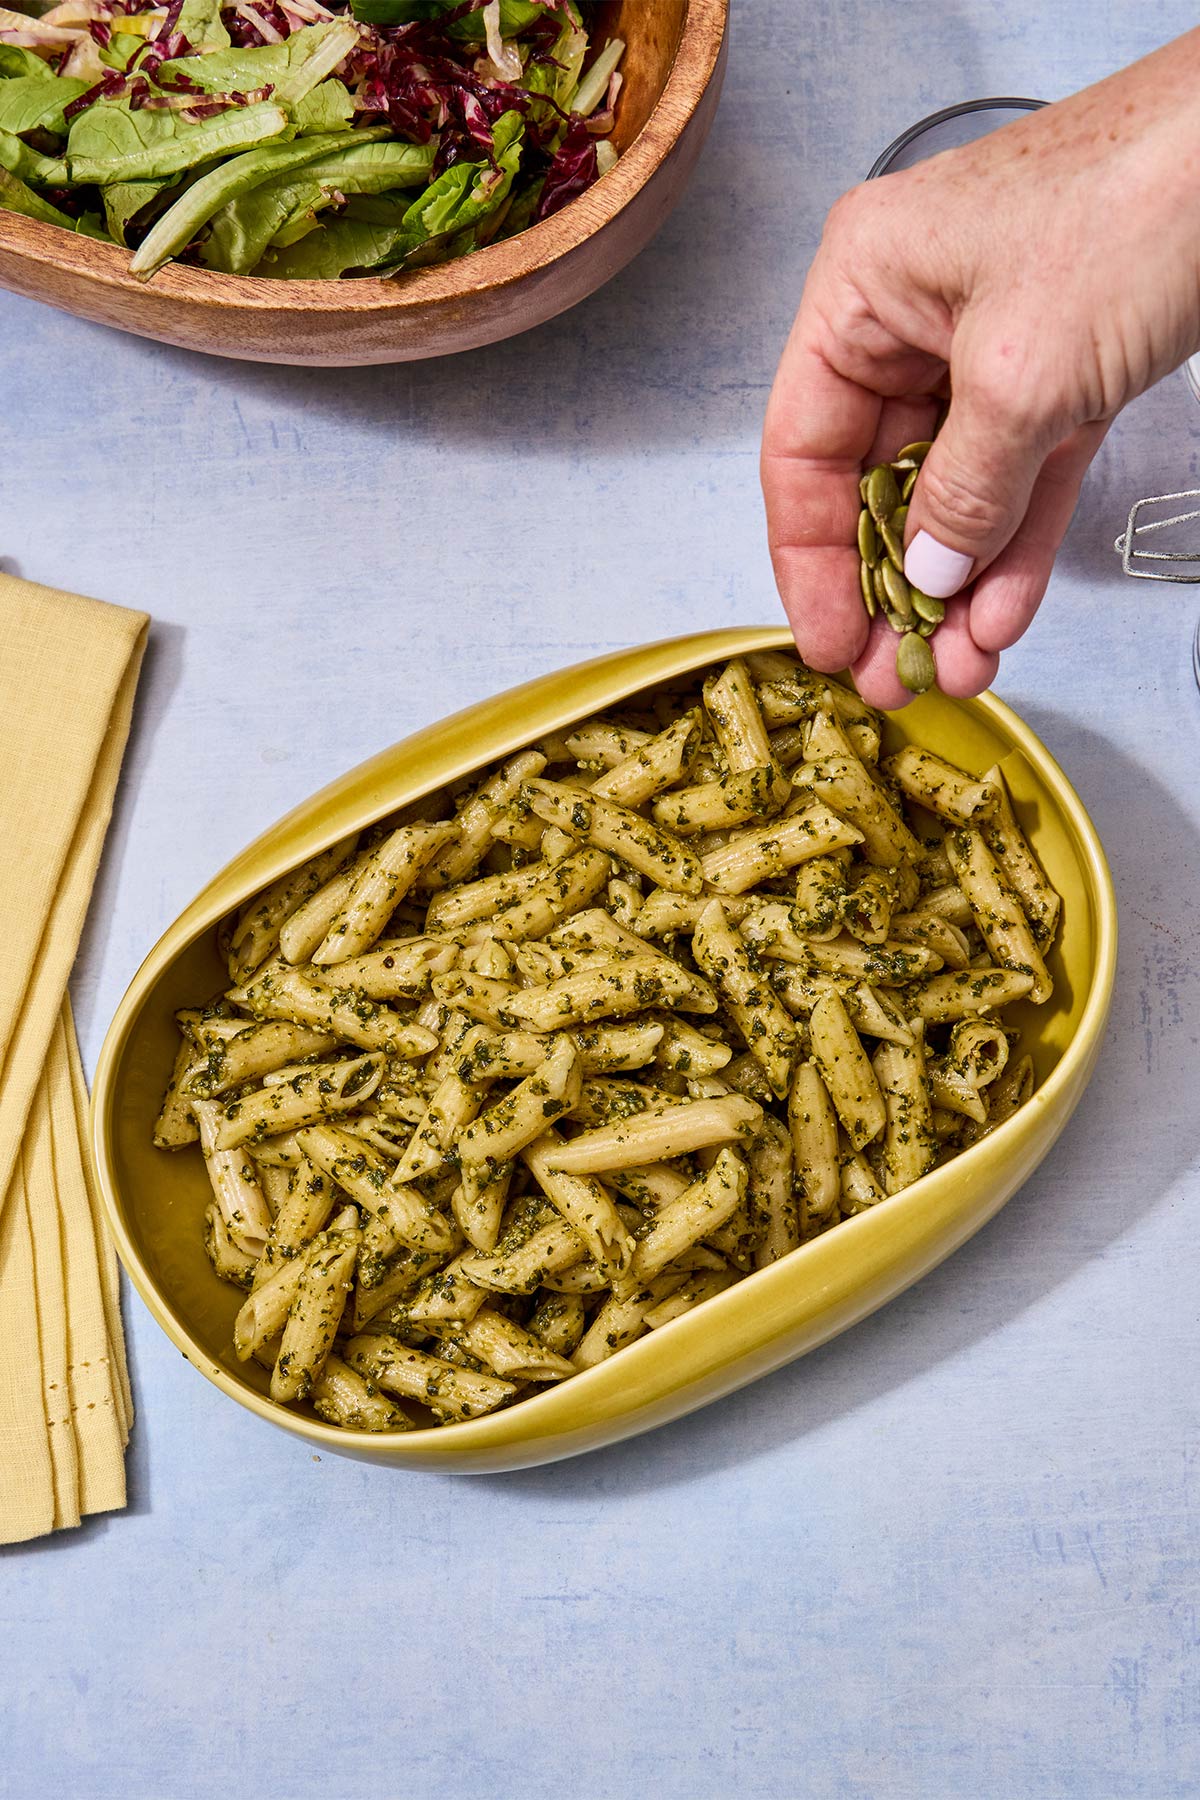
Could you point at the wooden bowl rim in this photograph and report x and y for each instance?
(489, 270)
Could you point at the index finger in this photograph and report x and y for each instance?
(818, 430)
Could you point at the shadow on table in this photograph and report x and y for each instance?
(1085, 1195)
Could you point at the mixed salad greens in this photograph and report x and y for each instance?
(292, 139)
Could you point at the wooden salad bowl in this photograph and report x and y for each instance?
(673, 66)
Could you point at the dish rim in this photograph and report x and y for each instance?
(490, 1434)
(492, 270)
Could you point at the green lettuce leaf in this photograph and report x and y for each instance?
(464, 195)
(247, 226)
(109, 142)
(326, 254)
(293, 69)
(16, 197)
(205, 198)
(30, 165)
(328, 108)
(31, 103)
(16, 61)
(200, 23)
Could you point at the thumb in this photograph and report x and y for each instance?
(973, 490)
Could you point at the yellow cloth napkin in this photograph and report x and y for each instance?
(68, 669)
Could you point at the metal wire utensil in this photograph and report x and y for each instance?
(1184, 565)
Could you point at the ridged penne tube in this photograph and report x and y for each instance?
(300, 934)
(473, 821)
(860, 1190)
(479, 1217)
(448, 1295)
(648, 1185)
(450, 1392)
(674, 915)
(452, 1106)
(949, 1090)
(843, 784)
(303, 999)
(769, 1192)
(228, 1261)
(454, 909)
(909, 1144)
(256, 934)
(608, 988)
(208, 1031)
(279, 1152)
(769, 928)
(402, 1277)
(650, 767)
(510, 1351)
(524, 1113)
(583, 1277)
(742, 1075)
(584, 1203)
(955, 996)
(754, 1007)
(937, 934)
(1009, 1094)
(176, 1125)
(548, 1251)
(695, 1290)
(480, 997)
(772, 850)
(256, 1051)
(620, 831)
(624, 901)
(340, 1396)
(787, 745)
(301, 1213)
(948, 902)
(688, 1051)
(732, 800)
(941, 787)
(265, 1313)
(316, 1314)
(326, 1089)
(597, 741)
(786, 697)
(845, 1068)
(998, 914)
(814, 1131)
(699, 1211)
(596, 933)
(620, 1321)
(379, 888)
(869, 903)
(732, 707)
(398, 968)
(1020, 867)
(660, 1136)
(820, 894)
(978, 1049)
(558, 1321)
(568, 886)
(396, 1215)
(603, 1049)
(234, 1183)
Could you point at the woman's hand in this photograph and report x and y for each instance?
(1043, 277)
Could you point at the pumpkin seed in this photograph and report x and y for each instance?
(897, 591)
(913, 455)
(883, 496)
(868, 588)
(908, 484)
(926, 607)
(893, 542)
(926, 627)
(868, 538)
(914, 663)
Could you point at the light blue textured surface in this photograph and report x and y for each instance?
(955, 1553)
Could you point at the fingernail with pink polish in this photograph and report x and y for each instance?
(934, 568)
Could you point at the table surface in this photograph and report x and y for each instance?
(955, 1552)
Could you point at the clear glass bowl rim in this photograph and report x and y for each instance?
(1013, 103)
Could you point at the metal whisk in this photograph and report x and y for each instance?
(1185, 564)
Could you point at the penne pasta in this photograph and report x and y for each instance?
(550, 1060)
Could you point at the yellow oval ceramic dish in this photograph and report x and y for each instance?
(155, 1202)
